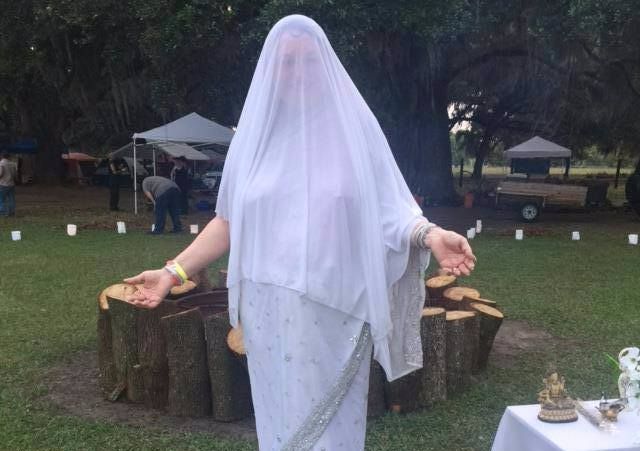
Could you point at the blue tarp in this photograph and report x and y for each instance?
(23, 146)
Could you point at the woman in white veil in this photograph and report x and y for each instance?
(326, 247)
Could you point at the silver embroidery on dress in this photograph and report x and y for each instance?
(316, 423)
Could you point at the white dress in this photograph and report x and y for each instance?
(309, 363)
(309, 370)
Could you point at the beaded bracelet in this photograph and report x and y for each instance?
(421, 232)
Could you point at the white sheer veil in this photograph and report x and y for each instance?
(313, 195)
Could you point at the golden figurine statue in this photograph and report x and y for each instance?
(555, 404)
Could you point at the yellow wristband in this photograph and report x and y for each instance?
(180, 270)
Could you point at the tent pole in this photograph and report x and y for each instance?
(135, 177)
(154, 160)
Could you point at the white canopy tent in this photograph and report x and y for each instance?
(147, 151)
(171, 138)
(537, 147)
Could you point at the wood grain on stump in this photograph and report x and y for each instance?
(436, 286)
(452, 297)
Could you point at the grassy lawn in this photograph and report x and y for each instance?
(583, 293)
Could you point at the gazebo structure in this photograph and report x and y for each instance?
(177, 139)
(535, 154)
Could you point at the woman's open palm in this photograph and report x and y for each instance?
(452, 251)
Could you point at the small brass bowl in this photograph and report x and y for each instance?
(610, 411)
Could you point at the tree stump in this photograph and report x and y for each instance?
(401, 393)
(376, 405)
(185, 289)
(490, 321)
(201, 279)
(222, 278)
(457, 366)
(124, 340)
(107, 373)
(433, 384)
(235, 343)
(152, 353)
(467, 301)
(471, 347)
(452, 297)
(436, 286)
(189, 388)
(230, 389)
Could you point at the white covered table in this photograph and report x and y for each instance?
(520, 430)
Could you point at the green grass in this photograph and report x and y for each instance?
(584, 293)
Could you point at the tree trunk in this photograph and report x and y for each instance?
(409, 94)
(422, 149)
(189, 388)
(433, 384)
(230, 389)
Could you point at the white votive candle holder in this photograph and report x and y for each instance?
(633, 239)
(193, 228)
(575, 236)
(519, 234)
(16, 235)
(471, 233)
(72, 229)
(478, 226)
(121, 227)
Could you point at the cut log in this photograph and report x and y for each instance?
(236, 344)
(376, 405)
(490, 321)
(433, 383)
(222, 278)
(452, 297)
(401, 393)
(471, 347)
(182, 290)
(467, 301)
(436, 286)
(210, 302)
(189, 388)
(152, 353)
(230, 389)
(457, 366)
(123, 317)
(201, 279)
(107, 373)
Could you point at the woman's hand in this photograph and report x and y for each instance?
(153, 287)
(451, 250)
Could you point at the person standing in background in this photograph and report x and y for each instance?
(8, 177)
(117, 169)
(180, 175)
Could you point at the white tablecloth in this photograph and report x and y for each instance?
(520, 430)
